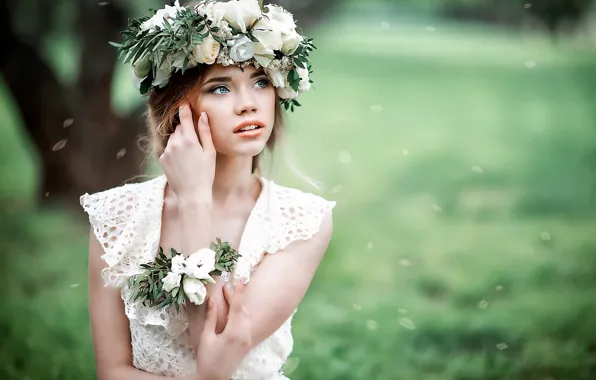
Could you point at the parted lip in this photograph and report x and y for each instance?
(247, 123)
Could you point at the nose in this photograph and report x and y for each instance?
(245, 102)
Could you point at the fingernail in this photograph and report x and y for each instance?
(203, 117)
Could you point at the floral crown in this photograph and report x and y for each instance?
(237, 32)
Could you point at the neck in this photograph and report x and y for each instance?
(233, 178)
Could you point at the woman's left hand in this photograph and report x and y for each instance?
(220, 354)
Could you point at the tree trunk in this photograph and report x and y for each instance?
(82, 145)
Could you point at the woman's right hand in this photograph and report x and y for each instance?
(187, 162)
(219, 355)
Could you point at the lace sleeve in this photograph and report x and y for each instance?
(110, 214)
(299, 218)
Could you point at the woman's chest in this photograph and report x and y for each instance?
(226, 227)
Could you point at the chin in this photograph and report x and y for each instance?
(244, 149)
(253, 148)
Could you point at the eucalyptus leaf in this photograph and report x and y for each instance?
(300, 64)
(181, 297)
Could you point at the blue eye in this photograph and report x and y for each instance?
(214, 90)
(262, 83)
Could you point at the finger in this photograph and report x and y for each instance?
(186, 123)
(205, 132)
(245, 314)
(237, 303)
(239, 322)
(227, 295)
(211, 317)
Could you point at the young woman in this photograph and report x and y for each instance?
(215, 103)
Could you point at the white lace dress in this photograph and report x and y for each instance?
(127, 222)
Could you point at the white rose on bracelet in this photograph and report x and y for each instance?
(171, 281)
(178, 264)
(195, 290)
(200, 264)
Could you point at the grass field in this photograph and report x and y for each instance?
(462, 161)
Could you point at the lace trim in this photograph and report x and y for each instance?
(255, 238)
(299, 216)
(174, 322)
(109, 212)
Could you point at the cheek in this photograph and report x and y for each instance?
(213, 113)
(268, 100)
(217, 125)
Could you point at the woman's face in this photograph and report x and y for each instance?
(240, 106)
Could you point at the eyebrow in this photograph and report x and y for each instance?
(229, 79)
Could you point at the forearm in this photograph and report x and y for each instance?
(195, 219)
(195, 216)
(282, 279)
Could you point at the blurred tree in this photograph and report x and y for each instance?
(81, 143)
(556, 13)
(553, 14)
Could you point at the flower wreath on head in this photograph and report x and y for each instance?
(238, 32)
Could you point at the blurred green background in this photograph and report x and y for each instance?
(462, 156)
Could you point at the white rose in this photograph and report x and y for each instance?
(269, 34)
(178, 264)
(291, 40)
(263, 55)
(286, 92)
(200, 264)
(171, 281)
(277, 77)
(240, 14)
(216, 13)
(283, 23)
(242, 50)
(167, 14)
(207, 51)
(195, 290)
(279, 15)
(304, 79)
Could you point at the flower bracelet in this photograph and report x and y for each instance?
(170, 280)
